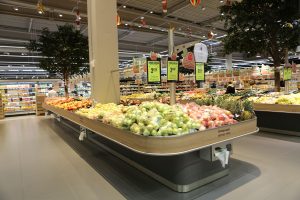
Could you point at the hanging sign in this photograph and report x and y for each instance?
(287, 74)
(165, 6)
(200, 52)
(199, 72)
(188, 61)
(172, 70)
(153, 71)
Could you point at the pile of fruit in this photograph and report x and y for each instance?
(100, 111)
(58, 101)
(291, 99)
(157, 119)
(136, 99)
(70, 104)
(140, 96)
(160, 119)
(209, 116)
(191, 95)
(242, 109)
(266, 100)
(149, 118)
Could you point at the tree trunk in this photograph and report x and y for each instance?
(277, 78)
(66, 85)
(277, 75)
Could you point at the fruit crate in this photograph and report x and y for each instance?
(2, 115)
(161, 145)
(39, 105)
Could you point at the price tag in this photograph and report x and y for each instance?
(172, 72)
(153, 71)
(199, 72)
(287, 74)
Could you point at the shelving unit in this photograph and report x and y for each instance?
(1, 108)
(19, 98)
(131, 87)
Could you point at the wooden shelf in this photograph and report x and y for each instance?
(161, 146)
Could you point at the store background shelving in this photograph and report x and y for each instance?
(1, 107)
(20, 97)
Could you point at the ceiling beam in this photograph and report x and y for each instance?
(176, 22)
(30, 25)
(179, 6)
(139, 44)
(210, 20)
(33, 6)
(156, 40)
(125, 34)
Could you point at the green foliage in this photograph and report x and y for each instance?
(64, 52)
(261, 26)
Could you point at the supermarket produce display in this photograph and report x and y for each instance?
(153, 135)
(278, 113)
(158, 119)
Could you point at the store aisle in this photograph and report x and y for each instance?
(36, 164)
(42, 160)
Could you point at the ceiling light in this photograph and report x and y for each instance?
(203, 36)
(60, 15)
(222, 14)
(140, 26)
(258, 56)
(16, 9)
(40, 12)
(151, 28)
(124, 6)
(126, 24)
(142, 17)
(221, 1)
(151, 12)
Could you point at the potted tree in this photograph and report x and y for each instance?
(266, 27)
(64, 52)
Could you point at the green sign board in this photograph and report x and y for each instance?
(172, 71)
(199, 72)
(153, 71)
(287, 74)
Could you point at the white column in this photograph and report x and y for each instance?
(228, 61)
(171, 50)
(103, 47)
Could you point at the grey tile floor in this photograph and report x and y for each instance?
(42, 160)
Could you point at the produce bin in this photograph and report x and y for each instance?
(182, 162)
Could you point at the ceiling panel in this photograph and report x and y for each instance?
(142, 37)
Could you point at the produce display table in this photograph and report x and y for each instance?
(182, 162)
(278, 118)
